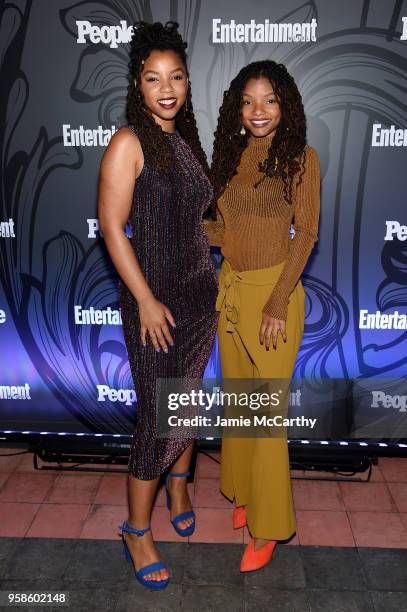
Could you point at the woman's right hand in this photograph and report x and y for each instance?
(153, 319)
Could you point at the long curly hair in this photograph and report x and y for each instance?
(148, 37)
(286, 155)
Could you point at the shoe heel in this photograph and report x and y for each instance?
(239, 517)
(127, 552)
(168, 498)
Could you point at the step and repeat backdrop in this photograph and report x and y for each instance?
(64, 65)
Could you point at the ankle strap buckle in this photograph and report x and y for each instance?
(129, 529)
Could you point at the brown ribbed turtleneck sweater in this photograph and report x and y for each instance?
(253, 225)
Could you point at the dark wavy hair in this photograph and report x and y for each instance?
(287, 147)
(148, 37)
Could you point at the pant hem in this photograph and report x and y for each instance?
(263, 536)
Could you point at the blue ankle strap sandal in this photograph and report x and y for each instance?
(147, 569)
(187, 531)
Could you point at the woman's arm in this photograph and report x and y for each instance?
(307, 208)
(121, 164)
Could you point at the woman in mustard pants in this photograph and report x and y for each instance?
(264, 176)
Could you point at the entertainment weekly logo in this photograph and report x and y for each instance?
(388, 137)
(379, 320)
(81, 137)
(263, 32)
(15, 392)
(7, 229)
(228, 32)
(404, 32)
(95, 316)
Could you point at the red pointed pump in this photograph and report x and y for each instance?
(255, 559)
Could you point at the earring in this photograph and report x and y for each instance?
(275, 164)
(242, 130)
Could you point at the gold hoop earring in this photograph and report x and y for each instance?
(242, 130)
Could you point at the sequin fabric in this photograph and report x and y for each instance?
(172, 249)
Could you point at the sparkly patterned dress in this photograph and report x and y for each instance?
(172, 249)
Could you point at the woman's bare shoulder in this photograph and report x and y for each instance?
(124, 147)
(125, 138)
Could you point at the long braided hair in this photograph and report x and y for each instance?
(287, 146)
(148, 37)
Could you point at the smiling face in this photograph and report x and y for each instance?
(164, 85)
(260, 110)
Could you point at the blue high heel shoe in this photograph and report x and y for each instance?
(147, 569)
(187, 531)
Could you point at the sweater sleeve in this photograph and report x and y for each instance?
(306, 218)
(215, 230)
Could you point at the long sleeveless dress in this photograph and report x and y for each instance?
(172, 248)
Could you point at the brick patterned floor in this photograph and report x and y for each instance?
(38, 504)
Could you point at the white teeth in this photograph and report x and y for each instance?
(170, 101)
(259, 121)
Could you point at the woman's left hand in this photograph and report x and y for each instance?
(269, 330)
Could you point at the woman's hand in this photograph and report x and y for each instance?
(269, 329)
(153, 319)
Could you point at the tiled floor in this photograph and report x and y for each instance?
(205, 577)
(59, 533)
(91, 505)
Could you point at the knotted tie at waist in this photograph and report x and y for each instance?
(229, 293)
(229, 298)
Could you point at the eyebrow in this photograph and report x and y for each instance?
(271, 93)
(175, 70)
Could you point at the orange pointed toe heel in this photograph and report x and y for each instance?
(239, 517)
(255, 559)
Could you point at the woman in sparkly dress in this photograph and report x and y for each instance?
(154, 175)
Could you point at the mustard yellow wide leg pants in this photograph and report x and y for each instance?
(255, 471)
